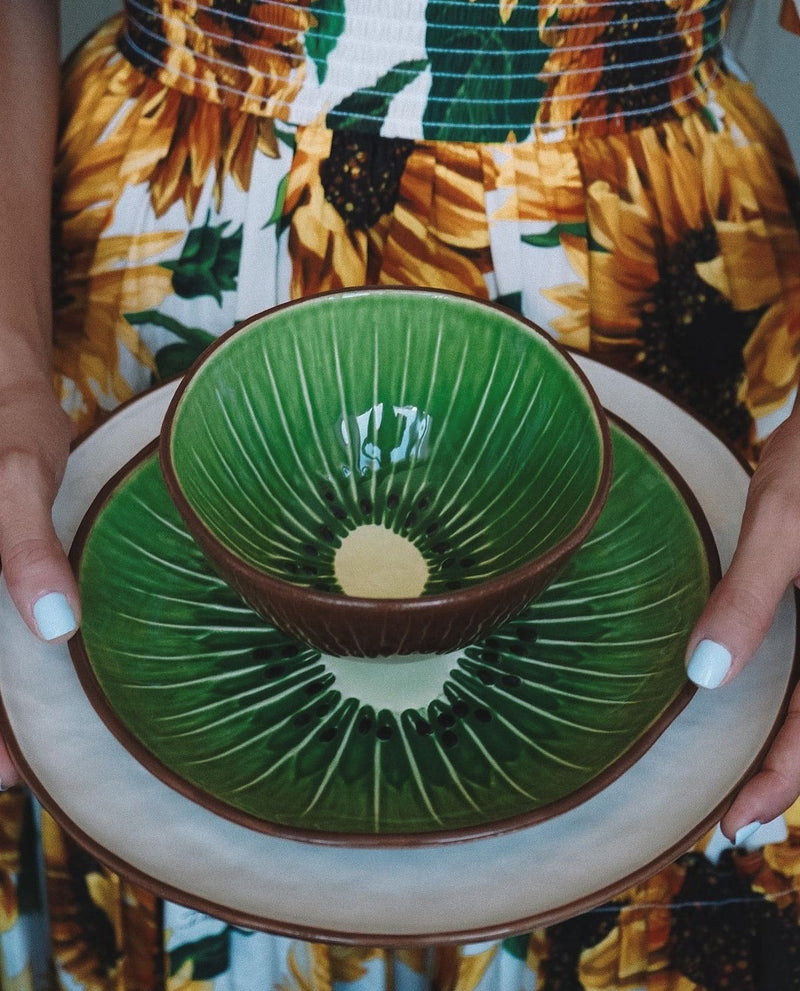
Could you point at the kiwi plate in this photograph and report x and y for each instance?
(501, 734)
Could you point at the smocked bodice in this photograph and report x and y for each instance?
(440, 69)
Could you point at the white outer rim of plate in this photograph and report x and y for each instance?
(468, 891)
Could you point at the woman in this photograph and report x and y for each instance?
(594, 166)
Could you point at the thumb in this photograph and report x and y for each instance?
(36, 570)
(9, 775)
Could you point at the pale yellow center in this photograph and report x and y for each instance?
(373, 562)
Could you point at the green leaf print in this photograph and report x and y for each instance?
(321, 40)
(173, 359)
(210, 956)
(209, 263)
(552, 238)
(366, 109)
(484, 74)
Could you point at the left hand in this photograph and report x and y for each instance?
(739, 614)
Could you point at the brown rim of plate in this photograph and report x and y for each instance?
(145, 756)
(393, 940)
(363, 607)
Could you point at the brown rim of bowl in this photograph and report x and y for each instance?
(355, 604)
(173, 779)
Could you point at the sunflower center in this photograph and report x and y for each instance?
(693, 337)
(361, 177)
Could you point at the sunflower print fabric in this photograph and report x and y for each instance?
(591, 165)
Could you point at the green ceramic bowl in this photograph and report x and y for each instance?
(387, 471)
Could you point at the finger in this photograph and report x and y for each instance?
(9, 776)
(34, 565)
(776, 784)
(741, 608)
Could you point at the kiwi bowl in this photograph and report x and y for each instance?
(387, 471)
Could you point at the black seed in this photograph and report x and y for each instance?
(449, 738)
(366, 506)
(384, 732)
(527, 633)
(314, 688)
(431, 529)
(327, 534)
(423, 503)
(423, 727)
(302, 718)
(490, 657)
(460, 708)
(511, 681)
(441, 548)
(446, 719)
(328, 734)
(324, 708)
(329, 495)
(310, 549)
(411, 519)
(393, 500)
(364, 725)
(483, 715)
(310, 569)
(338, 512)
(467, 562)
(486, 676)
(276, 671)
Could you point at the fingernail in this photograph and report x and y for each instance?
(53, 616)
(744, 834)
(709, 664)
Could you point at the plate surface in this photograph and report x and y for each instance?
(457, 892)
(495, 736)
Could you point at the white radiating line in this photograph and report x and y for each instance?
(299, 462)
(184, 682)
(333, 765)
(600, 645)
(419, 779)
(594, 617)
(488, 434)
(376, 780)
(497, 768)
(344, 411)
(440, 430)
(321, 449)
(596, 576)
(531, 709)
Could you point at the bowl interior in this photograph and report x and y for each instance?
(387, 444)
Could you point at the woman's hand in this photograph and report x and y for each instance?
(740, 611)
(34, 445)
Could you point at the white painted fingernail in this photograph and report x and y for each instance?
(709, 664)
(53, 615)
(744, 834)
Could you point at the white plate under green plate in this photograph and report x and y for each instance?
(507, 731)
(453, 892)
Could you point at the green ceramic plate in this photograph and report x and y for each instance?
(500, 734)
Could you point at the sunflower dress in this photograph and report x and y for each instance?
(595, 166)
